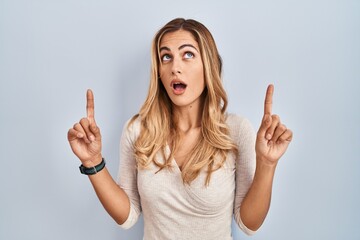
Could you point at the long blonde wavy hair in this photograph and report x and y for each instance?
(158, 124)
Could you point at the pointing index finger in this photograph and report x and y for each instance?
(268, 100)
(90, 105)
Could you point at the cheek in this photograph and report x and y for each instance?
(200, 76)
(162, 74)
(163, 82)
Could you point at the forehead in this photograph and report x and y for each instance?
(177, 39)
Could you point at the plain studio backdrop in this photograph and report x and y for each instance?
(52, 51)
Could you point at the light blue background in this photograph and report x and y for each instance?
(52, 51)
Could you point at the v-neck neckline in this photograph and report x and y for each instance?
(173, 160)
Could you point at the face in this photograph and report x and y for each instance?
(181, 68)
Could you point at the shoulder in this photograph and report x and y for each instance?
(131, 129)
(237, 122)
(134, 123)
(239, 126)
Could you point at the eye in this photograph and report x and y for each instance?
(188, 55)
(165, 58)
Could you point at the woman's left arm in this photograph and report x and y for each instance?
(272, 141)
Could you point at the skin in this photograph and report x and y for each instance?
(85, 142)
(181, 60)
(272, 139)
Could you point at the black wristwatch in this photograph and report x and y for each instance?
(92, 170)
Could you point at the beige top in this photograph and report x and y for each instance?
(174, 210)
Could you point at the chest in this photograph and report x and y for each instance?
(187, 141)
(166, 187)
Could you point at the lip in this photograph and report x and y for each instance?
(176, 81)
(177, 91)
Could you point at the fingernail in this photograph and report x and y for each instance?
(79, 135)
(268, 136)
(92, 138)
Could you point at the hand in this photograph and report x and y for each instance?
(273, 137)
(85, 137)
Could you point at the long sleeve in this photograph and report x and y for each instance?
(127, 175)
(244, 136)
(165, 198)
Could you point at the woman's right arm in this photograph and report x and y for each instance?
(85, 142)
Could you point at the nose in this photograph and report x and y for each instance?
(176, 66)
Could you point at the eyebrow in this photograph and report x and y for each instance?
(181, 47)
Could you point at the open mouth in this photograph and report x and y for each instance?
(179, 86)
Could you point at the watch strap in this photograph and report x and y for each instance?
(92, 170)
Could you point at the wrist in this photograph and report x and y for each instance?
(264, 173)
(92, 162)
(262, 160)
(93, 169)
(265, 165)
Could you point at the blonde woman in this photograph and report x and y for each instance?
(185, 163)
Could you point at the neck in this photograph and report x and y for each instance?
(188, 117)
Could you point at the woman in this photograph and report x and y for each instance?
(186, 164)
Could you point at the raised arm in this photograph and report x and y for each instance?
(85, 142)
(272, 141)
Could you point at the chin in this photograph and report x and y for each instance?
(184, 102)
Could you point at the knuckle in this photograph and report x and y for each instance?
(282, 127)
(273, 126)
(276, 117)
(282, 138)
(83, 120)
